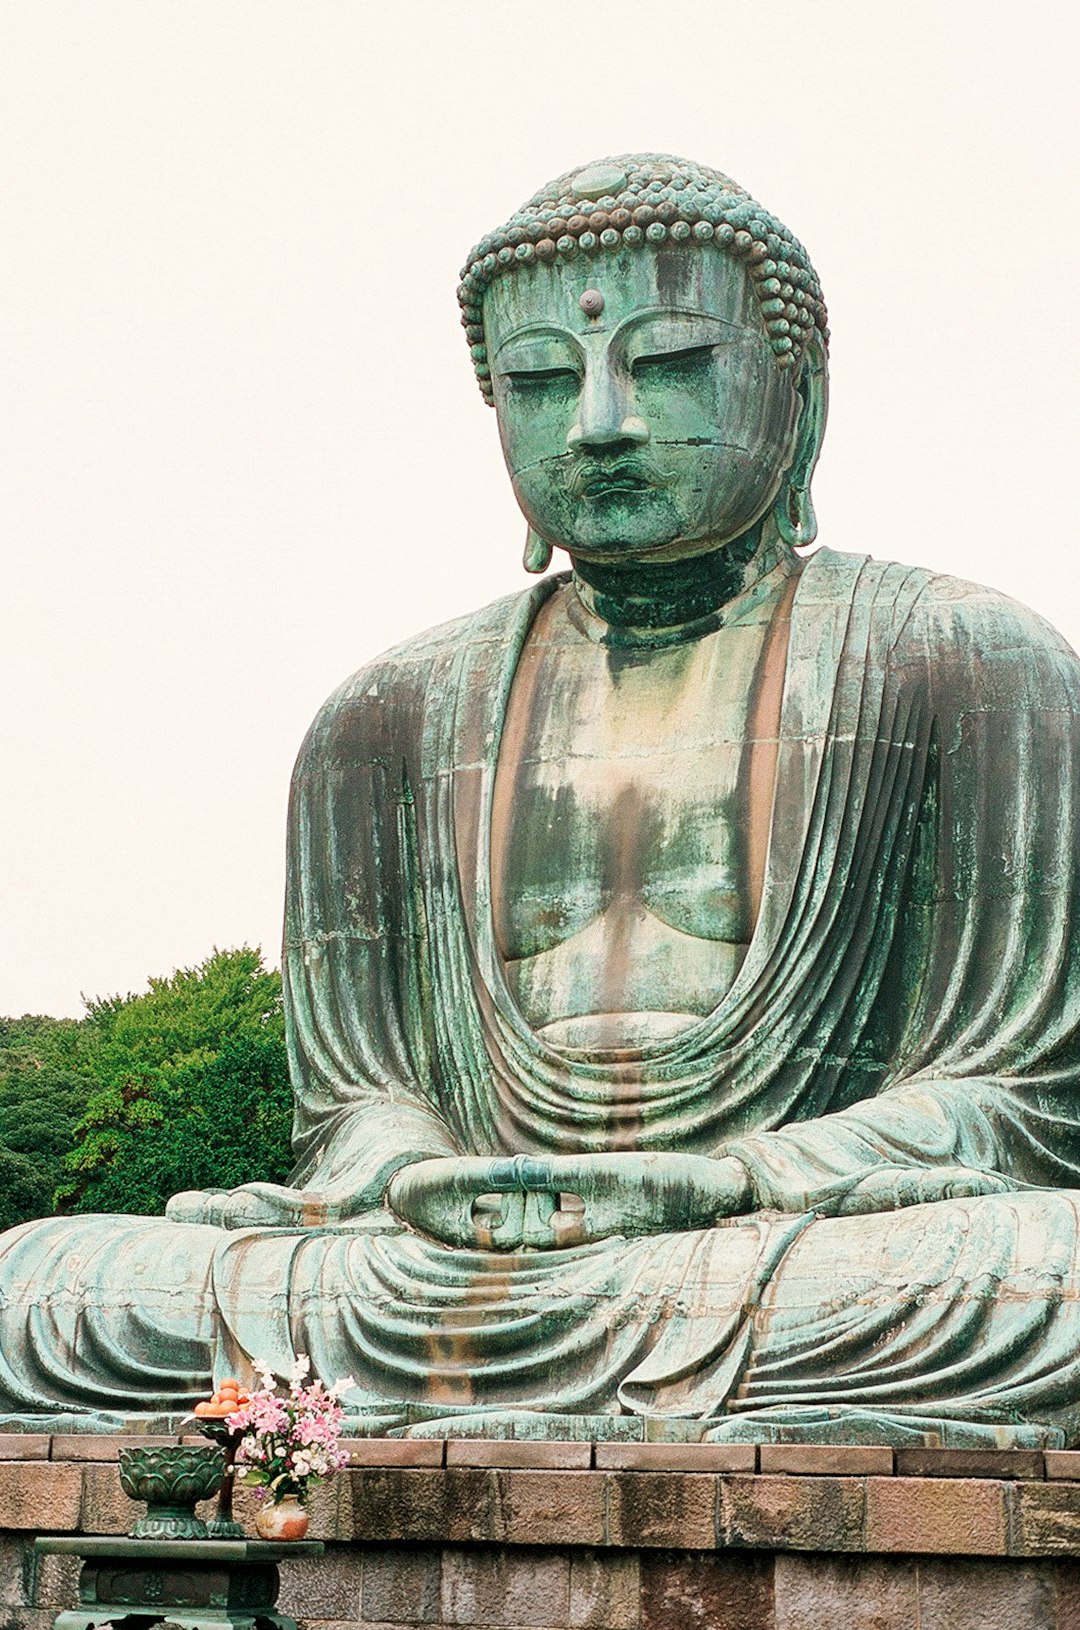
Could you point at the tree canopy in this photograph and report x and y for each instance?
(43, 1094)
(184, 1085)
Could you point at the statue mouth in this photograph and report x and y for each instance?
(625, 477)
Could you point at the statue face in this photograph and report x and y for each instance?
(659, 427)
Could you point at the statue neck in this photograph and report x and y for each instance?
(649, 603)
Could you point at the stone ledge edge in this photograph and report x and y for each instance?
(836, 1460)
(617, 1509)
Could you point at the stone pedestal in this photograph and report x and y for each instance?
(195, 1584)
(425, 1535)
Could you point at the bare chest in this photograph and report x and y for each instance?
(622, 840)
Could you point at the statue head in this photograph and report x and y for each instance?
(654, 345)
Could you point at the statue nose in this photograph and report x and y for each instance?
(631, 429)
(606, 417)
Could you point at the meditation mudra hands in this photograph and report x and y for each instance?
(559, 1200)
(550, 1202)
(503, 1204)
(563, 1200)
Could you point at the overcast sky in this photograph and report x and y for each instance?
(242, 450)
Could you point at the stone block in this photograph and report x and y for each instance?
(54, 1580)
(845, 1592)
(954, 1516)
(1068, 1594)
(509, 1452)
(605, 1590)
(1062, 1463)
(793, 1513)
(323, 1506)
(475, 1504)
(676, 1457)
(394, 1451)
(827, 1459)
(325, 1587)
(16, 1571)
(706, 1591)
(105, 1508)
(24, 1446)
(27, 1618)
(1000, 1463)
(551, 1508)
(505, 1587)
(402, 1585)
(36, 1494)
(102, 1446)
(1044, 1519)
(666, 1509)
(391, 1503)
(986, 1595)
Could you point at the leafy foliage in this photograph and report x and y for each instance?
(43, 1094)
(184, 1085)
(192, 1088)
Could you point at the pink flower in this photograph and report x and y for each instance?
(287, 1442)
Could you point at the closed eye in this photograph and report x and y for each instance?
(539, 376)
(690, 356)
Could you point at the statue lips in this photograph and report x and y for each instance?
(594, 478)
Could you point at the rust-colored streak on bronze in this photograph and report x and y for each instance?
(765, 743)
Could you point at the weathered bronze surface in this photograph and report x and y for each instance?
(197, 1584)
(172, 1481)
(682, 957)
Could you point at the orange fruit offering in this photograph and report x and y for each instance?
(225, 1400)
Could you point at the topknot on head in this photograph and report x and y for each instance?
(643, 200)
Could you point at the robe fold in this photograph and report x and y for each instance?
(909, 1001)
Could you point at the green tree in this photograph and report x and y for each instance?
(43, 1094)
(190, 1088)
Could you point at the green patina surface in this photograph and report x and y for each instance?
(681, 957)
(199, 1584)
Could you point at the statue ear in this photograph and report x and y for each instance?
(794, 510)
(537, 557)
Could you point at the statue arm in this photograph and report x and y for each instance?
(346, 1176)
(926, 1141)
(355, 1025)
(983, 1092)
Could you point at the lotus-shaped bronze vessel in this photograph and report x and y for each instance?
(171, 1481)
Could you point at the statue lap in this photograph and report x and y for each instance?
(727, 1326)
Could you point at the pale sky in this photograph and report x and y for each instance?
(242, 450)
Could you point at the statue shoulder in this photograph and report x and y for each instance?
(962, 609)
(978, 629)
(976, 640)
(382, 703)
(965, 641)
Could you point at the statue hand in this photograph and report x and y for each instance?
(893, 1188)
(256, 1205)
(542, 1203)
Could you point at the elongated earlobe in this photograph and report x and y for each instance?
(537, 556)
(795, 518)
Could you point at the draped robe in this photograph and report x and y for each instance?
(909, 1000)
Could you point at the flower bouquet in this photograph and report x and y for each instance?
(286, 1444)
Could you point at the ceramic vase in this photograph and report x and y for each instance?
(282, 1519)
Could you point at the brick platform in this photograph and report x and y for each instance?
(620, 1536)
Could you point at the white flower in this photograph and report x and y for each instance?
(346, 1384)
